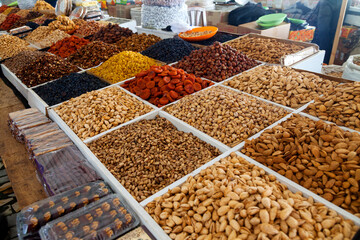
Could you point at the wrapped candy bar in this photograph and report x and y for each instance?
(105, 219)
(33, 217)
(64, 169)
(24, 119)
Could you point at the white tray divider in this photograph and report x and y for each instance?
(148, 115)
(261, 99)
(15, 81)
(241, 145)
(203, 136)
(135, 96)
(36, 101)
(294, 187)
(328, 122)
(183, 179)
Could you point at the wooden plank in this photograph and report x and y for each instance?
(338, 31)
(19, 168)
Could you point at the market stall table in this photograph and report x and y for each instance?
(20, 170)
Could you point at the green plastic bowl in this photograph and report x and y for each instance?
(268, 25)
(297, 21)
(273, 18)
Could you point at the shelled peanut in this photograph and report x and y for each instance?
(234, 199)
(149, 155)
(226, 115)
(268, 50)
(341, 106)
(282, 85)
(319, 156)
(97, 111)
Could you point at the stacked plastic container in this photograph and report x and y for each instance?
(158, 14)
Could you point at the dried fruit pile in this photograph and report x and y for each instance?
(93, 54)
(169, 50)
(234, 199)
(97, 111)
(137, 42)
(111, 33)
(68, 46)
(341, 106)
(16, 63)
(226, 115)
(321, 157)
(68, 87)
(282, 85)
(149, 155)
(123, 66)
(44, 69)
(163, 85)
(217, 62)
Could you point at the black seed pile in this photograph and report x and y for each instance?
(218, 37)
(169, 50)
(68, 87)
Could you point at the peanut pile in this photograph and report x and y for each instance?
(321, 157)
(44, 36)
(226, 115)
(97, 111)
(282, 85)
(234, 199)
(264, 49)
(341, 106)
(149, 155)
(11, 46)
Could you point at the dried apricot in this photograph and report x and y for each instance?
(174, 94)
(163, 101)
(189, 88)
(145, 94)
(150, 84)
(197, 86)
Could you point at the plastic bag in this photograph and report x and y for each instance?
(32, 218)
(351, 69)
(160, 17)
(180, 26)
(26, 4)
(163, 3)
(105, 219)
(64, 169)
(21, 120)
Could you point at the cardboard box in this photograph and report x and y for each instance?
(281, 31)
(214, 17)
(303, 35)
(348, 30)
(120, 11)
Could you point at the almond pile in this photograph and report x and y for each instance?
(341, 106)
(282, 85)
(234, 199)
(321, 157)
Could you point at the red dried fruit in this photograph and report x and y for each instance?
(174, 94)
(167, 79)
(145, 94)
(150, 84)
(163, 101)
(189, 88)
(197, 86)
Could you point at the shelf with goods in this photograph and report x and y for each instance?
(201, 132)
